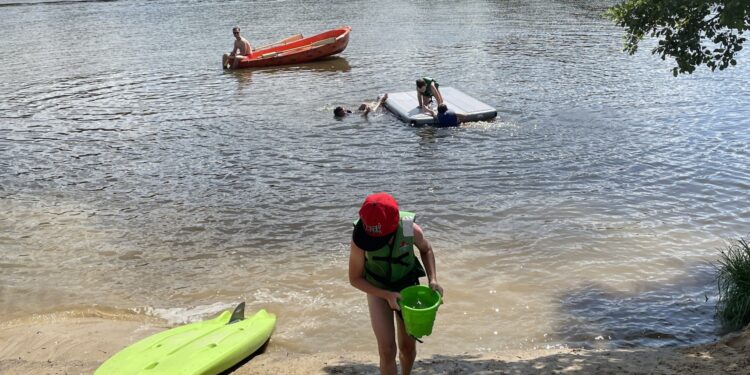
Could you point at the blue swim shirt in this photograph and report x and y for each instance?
(448, 118)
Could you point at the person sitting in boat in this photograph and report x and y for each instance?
(446, 117)
(427, 88)
(364, 108)
(242, 48)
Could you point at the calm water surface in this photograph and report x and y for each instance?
(137, 176)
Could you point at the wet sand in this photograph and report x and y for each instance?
(78, 345)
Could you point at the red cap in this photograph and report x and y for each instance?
(379, 214)
(378, 221)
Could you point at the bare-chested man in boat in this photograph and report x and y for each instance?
(242, 48)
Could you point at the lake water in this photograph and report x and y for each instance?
(138, 177)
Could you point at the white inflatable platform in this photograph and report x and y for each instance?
(405, 106)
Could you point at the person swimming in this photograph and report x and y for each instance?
(364, 109)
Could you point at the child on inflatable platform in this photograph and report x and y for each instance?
(427, 88)
(381, 264)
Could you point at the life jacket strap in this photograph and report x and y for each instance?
(377, 277)
(397, 260)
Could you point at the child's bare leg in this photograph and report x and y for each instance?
(381, 318)
(407, 348)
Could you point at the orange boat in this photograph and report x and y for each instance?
(294, 49)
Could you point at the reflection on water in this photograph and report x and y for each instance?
(327, 64)
(331, 64)
(137, 175)
(244, 76)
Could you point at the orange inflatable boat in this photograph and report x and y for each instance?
(293, 50)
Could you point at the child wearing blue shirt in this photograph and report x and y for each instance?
(447, 117)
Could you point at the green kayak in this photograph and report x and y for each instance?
(207, 347)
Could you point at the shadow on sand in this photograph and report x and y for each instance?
(645, 332)
(641, 361)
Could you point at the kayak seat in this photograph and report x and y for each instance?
(323, 42)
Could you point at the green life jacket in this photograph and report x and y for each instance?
(393, 263)
(429, 81)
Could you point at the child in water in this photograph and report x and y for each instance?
(364, 108)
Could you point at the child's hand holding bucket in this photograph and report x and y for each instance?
(392, 298)
(436, 287)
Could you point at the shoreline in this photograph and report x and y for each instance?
(78, 345)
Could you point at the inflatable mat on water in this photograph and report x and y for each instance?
(404, 105)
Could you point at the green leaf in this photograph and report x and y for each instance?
(685, 29)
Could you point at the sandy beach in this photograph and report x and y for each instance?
(78, 345)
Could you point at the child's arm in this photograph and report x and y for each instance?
(437, 94)
(380, 102)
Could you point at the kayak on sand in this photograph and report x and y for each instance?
(207, 347)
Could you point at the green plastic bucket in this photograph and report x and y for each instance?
(419, 305)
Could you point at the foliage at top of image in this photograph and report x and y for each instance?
(733, 279)
(693, 32)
